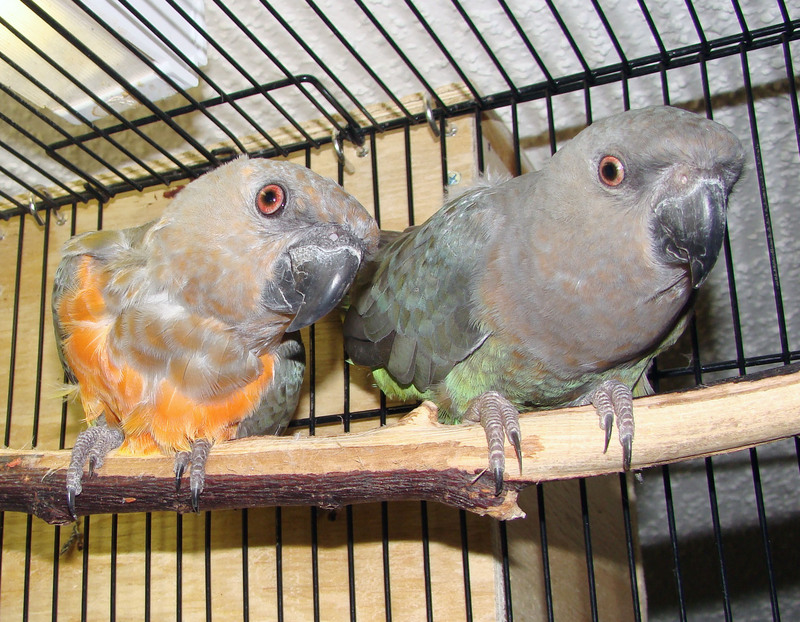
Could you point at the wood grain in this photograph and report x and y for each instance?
(397, 572)
(417, 458)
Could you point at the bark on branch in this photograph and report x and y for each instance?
(417, 458)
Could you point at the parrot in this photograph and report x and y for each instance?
(183, 332)
(553, 288)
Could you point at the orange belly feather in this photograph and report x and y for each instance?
(153, 418)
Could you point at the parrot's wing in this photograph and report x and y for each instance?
(102, 246)
(106, 245)
(411, 309)
(280, 399)
(65, 279)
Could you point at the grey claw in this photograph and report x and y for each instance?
(516, 441)
(627, 450)
(608, 425)
(613, 401)
(91, 445)
(181, 460)
(197, 473)
(500, 419)
(71, 503)
(498, 480)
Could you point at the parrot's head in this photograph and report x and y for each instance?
(273, 242)
(671, 171)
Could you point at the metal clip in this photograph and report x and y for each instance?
(429, 115)
(336, 139)
(33, 211)
(61, 220)
(449, 128)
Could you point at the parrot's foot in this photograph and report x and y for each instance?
(614, 400)
(91, 445)
(499, 419)
(197, 456)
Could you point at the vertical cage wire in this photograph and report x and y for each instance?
(92, 161)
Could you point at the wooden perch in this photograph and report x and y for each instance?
(417, 458)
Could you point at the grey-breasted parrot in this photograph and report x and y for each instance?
(557, 287)
(181, 333)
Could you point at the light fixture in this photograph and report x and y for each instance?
(74, 63)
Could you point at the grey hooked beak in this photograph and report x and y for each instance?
(692, 227)
(314, 275)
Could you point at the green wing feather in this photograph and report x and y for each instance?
(411, 308)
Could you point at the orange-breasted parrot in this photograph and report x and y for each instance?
(557, 287)
(181, 333)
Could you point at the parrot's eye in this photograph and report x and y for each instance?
(611, 171)
(270, 199)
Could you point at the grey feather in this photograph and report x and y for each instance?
(395, 319)
(280, 400)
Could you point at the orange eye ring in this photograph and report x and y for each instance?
(270, 199)
(611, 171)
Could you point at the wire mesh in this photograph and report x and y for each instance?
(706, 539)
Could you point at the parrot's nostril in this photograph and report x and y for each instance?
(333, 237)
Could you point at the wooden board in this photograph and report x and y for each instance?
(115, 558)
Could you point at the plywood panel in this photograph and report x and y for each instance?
(115, 559)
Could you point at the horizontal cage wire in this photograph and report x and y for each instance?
(108, 108)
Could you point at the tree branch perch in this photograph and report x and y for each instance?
(417, 458)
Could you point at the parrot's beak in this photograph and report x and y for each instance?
(314, 274)
(691, 228)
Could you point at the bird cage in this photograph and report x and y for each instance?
(108, 107)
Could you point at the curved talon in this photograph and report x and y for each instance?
(607, 425)
(510, 419)
(195, 498)
(181, 460)
(197, 473)
(71, 503)
(516, 441)
(91, 445)
(74, 487)
(613, 400)
(498, 480)
(497, 464)
(627, 450)
(500, 419)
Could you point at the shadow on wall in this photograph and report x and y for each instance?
(745, 566)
